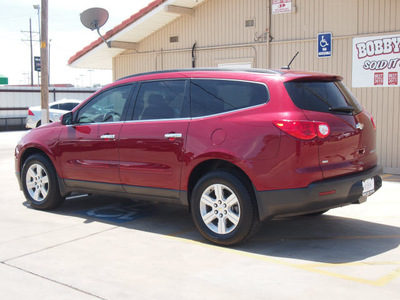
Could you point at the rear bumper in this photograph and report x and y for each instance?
(348, 190)
(30, 122)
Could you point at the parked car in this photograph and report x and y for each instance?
(56, 110)
(235, 147)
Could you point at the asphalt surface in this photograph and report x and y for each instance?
(105, 248)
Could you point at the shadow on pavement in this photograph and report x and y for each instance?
(327, 239)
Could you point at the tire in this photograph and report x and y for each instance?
(40, 183)
(223, 210)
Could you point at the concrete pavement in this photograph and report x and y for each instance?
(103, 248)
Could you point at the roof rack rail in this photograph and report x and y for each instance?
(251, 70)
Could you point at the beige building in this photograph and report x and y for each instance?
(360, 41)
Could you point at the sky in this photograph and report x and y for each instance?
(66, 34)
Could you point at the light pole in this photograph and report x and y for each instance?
(37, 7)
(90, 76)
(82, 75)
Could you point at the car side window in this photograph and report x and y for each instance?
(161, 100)
(105, 107)
(209, 97)
(67, 106)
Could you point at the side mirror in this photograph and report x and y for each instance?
(66, 119)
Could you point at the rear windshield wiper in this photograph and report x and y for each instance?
(344, 109)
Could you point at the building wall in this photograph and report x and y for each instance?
(345, 19)
(218, 29)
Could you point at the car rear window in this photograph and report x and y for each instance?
(323, 96)
(210, 97)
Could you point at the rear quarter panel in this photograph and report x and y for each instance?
(249, 139)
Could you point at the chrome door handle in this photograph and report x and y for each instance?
(108, 136)
(173, 135)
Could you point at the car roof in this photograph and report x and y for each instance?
(66, 101)
(287, 75)
(291, 75)
(226, 73)
(196, 70)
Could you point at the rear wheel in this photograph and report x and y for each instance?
(223, 210)
(40, 184)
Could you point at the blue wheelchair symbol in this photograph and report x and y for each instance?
(325, 44)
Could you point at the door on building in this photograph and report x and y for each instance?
(237, 65)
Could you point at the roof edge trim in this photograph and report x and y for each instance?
(140, 14)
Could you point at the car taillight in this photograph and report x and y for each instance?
(304, 130)
(30, 112)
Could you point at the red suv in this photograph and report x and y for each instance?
(236, 147)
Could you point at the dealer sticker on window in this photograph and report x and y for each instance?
(368, 186)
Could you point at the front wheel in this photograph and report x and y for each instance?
(40, 184)
(223, 210)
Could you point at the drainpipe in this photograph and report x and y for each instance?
(162, 59)
(193, 58)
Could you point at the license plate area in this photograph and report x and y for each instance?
(368, 186)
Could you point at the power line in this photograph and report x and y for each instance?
(15, 17)
(30, 40)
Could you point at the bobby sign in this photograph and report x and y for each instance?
(376, 61)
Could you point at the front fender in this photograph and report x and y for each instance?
(44, 140)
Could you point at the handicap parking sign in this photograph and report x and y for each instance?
(325, 44)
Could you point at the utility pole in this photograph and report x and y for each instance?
(30, 39)
(44, 63)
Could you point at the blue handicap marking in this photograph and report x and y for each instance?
(118, 212)
(325, 44)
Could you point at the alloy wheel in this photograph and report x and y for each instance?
(220, 209)
(37, 182)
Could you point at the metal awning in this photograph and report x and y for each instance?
(157, 14)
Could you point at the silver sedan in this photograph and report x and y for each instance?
(56, 110)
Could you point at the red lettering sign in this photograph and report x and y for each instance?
(393, 78)
(378, 78)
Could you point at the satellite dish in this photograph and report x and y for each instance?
(94, 18)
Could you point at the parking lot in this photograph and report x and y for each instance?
(103, 248)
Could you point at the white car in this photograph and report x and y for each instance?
(56, 110)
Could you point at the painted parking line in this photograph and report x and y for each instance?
(309, 267)
(120, 213)
(181, 232)
(391, 177)
(381, 281)
(361, 237)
